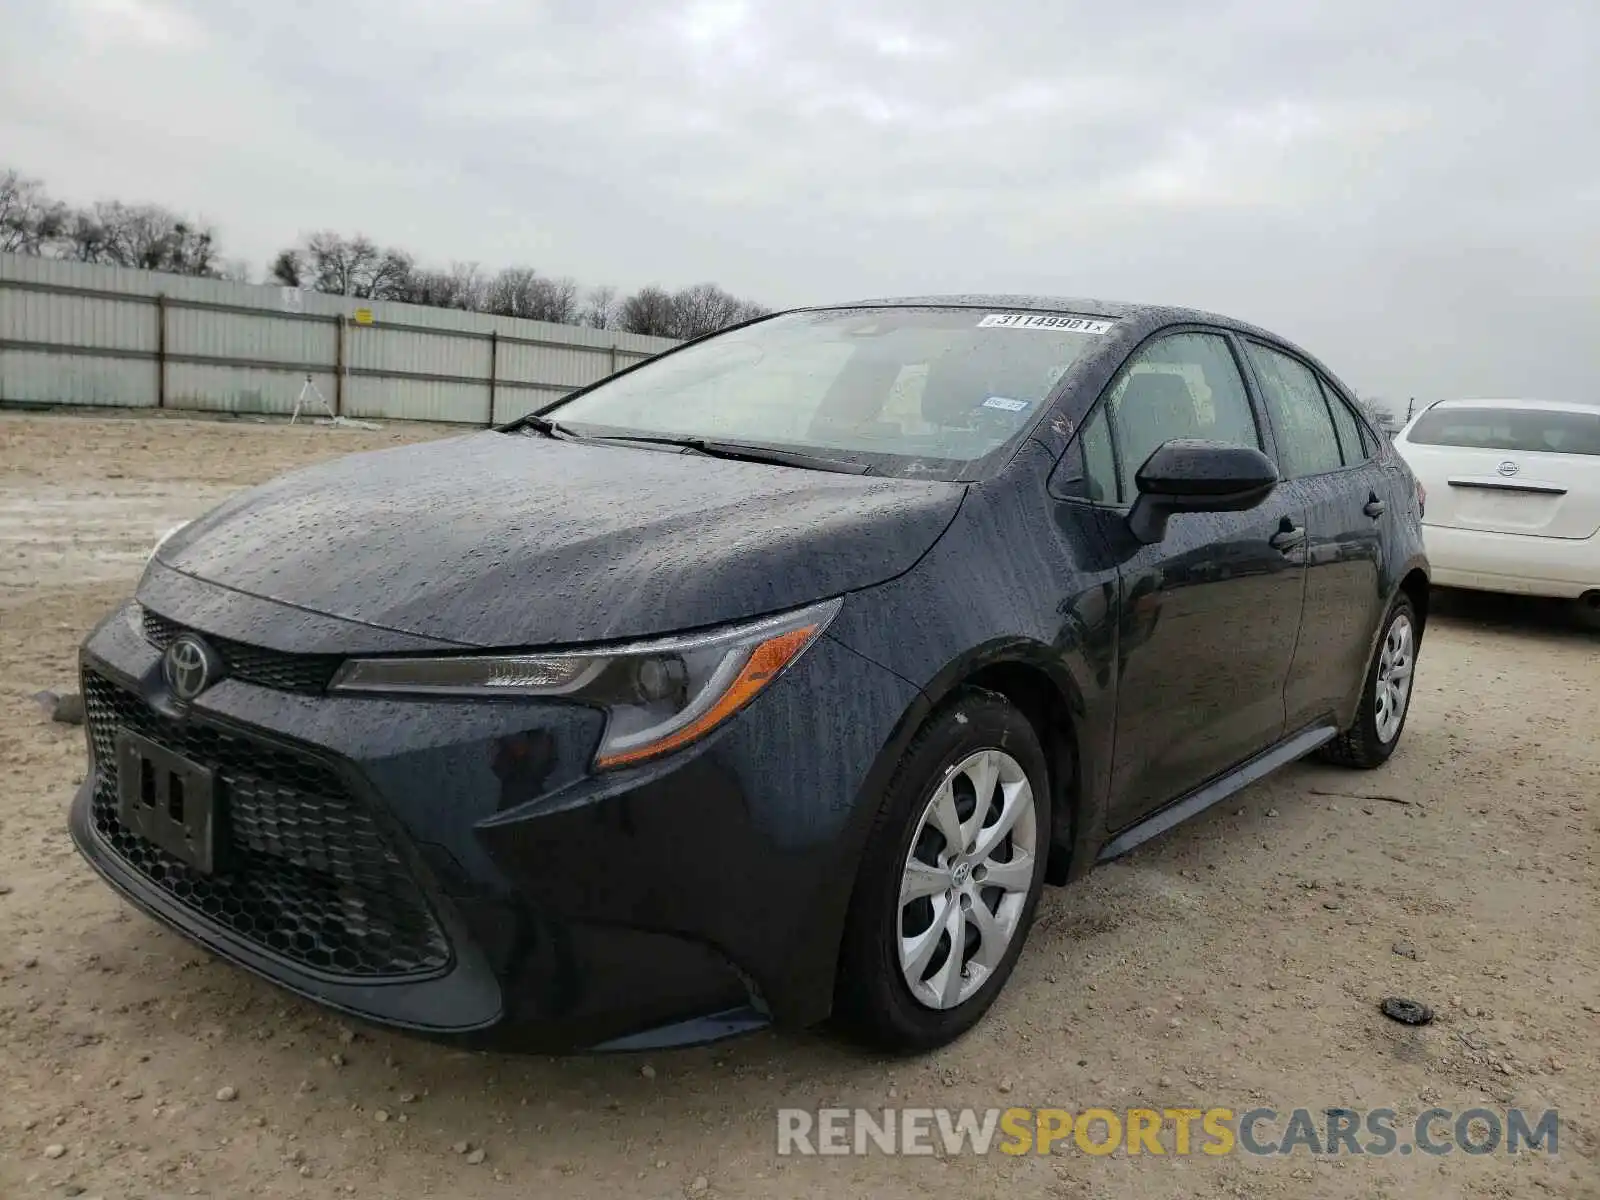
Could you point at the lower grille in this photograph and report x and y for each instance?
(306, 673)
(309, 876)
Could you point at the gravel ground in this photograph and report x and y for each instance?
(1236, 962)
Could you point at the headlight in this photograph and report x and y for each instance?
(658, 695)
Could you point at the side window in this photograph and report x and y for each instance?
(1306, 438)
(1185, 385)
(1352, 445)
(1088, 470)
(1099, 461)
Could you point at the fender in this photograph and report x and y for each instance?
(1072, 850)
(809, 990)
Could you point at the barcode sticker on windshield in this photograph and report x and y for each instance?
(1006, 404)
(1044, 321)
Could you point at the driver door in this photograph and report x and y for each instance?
(1210, 614)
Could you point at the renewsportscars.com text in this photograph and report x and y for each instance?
(1165, 1131)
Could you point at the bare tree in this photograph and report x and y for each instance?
(19, 198)
(434, 289)
(692, 312)
(600, 308)
(650, 311)
(523, 292)
(29, 220)
(472, 286)
(154, 238)
(355, 266)
(144, 236)
(462, 286)
(84, 239)
(336, 265)
(705, 308)
(556, 300)
(511, 292)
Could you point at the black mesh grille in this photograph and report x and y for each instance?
(307, 873)
(307, 673)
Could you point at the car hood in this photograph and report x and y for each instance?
(500, 539)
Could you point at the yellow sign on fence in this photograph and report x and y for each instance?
(362, 316)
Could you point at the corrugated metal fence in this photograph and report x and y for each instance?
(81, 334)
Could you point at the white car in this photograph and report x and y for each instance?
(1513, 496)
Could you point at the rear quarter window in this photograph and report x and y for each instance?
(1352, 442)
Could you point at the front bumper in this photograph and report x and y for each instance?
(521, 902)
(1512, 562)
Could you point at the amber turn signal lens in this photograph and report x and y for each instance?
(763, 665)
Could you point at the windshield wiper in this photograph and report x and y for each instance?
(739, 452)
(542, 425)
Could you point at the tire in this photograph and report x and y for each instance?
(1364, 746)
(875, 1000)
(1586, 615)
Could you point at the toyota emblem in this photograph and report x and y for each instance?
(190, 666)
(1508, 468)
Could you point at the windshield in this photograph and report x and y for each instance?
(926, 392)
(1526, 430)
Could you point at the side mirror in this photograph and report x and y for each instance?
(1195, 476)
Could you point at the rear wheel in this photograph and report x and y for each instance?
(949, 880)
(1386, 698)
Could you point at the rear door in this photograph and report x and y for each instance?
(1518, 470)
(1329, 470)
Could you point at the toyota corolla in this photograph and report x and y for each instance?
(769, 680)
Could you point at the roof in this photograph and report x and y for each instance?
(1065, 304)
(1026, 303)
(1143, 318)
(1148, 315)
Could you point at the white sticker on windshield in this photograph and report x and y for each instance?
(1006, 404)
(1044, 321)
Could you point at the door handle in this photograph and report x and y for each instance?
(1287, 538)
(1375, 508)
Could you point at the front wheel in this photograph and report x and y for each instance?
(1386, 698)
(949, 879)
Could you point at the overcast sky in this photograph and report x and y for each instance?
(1410, 189)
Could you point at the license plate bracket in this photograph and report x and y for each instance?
(168, 800)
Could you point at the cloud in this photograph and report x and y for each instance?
(1405, 189)
(134, 25)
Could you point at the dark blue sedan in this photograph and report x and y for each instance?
(770, 679)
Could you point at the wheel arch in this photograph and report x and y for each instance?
(1031, 678)
(1415, 586)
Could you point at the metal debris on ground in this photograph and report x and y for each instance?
(1362, 796)
(1407, 1012)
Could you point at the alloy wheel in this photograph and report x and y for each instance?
(1396, 659)
(966, 879)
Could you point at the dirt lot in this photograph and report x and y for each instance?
(1236, 962)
